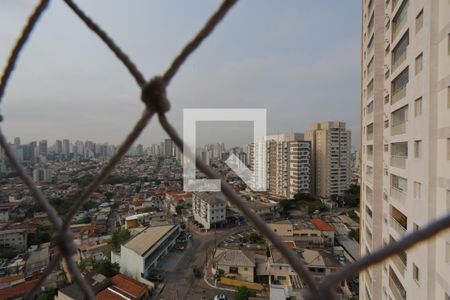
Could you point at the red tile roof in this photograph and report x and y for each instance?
(17, 290)
(129, 285)
(107, 294)
(322, 225)
(10, 278)
(290, 244)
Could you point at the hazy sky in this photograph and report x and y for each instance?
(299, 59)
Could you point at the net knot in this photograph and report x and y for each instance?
(154, 95)
(65, 242)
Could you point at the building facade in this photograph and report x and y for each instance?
(13, 239)
(140, 255)
(288, 164)
(405, 144)
(208, 208)
(331, 158)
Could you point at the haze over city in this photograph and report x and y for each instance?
(68, 84)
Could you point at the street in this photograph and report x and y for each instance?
(177, 267)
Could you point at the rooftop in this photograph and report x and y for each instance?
(147, 238)
(322, 225)
(229, 257)
(211, 198)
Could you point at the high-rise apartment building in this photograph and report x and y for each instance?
(58, 147)
(288, 164)
(168, 148)
(43, 148)
(405, 144)
(65, 147)
(331, 158)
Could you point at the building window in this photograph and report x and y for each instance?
(398, 85)
(418, 107)
(399, 52)
(419, 21)
(399, 19)
(419, 63)
(417, 149)
(417, 190)
(415, 272)
(370, 44)
(234, 270)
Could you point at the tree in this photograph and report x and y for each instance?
(119, 237)
(179, 209)
(243, 293)
(106, 268)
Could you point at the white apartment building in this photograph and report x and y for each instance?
(288, 164)
(331, 158)
(405, 144)
(208, 208)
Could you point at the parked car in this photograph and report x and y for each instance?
(179, 248)
(220, 297)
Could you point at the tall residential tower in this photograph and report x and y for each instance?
(405, 144)
(330, 156)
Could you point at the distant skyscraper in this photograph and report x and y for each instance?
(168, 148)
(66, 147)
(331, 153)
(249, 150)
(405, 144)
(140, 150)
(43, 148)
(58, 147)
(17, 141)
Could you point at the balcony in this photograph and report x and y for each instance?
(398, 194)
(398, 161)
(370, 156)
(396, 287)
(399, 263)
(398, 227)
(398, 128)
(398, 61)
(399, 95)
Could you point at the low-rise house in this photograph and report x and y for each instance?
(13, 239)
(275, 269)
(326, 231)
(141, 254)
(97, 282)
(96, 252)
(314, 232)
(237, 264)
(319, 262)
(209, 209)
(124, 288)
